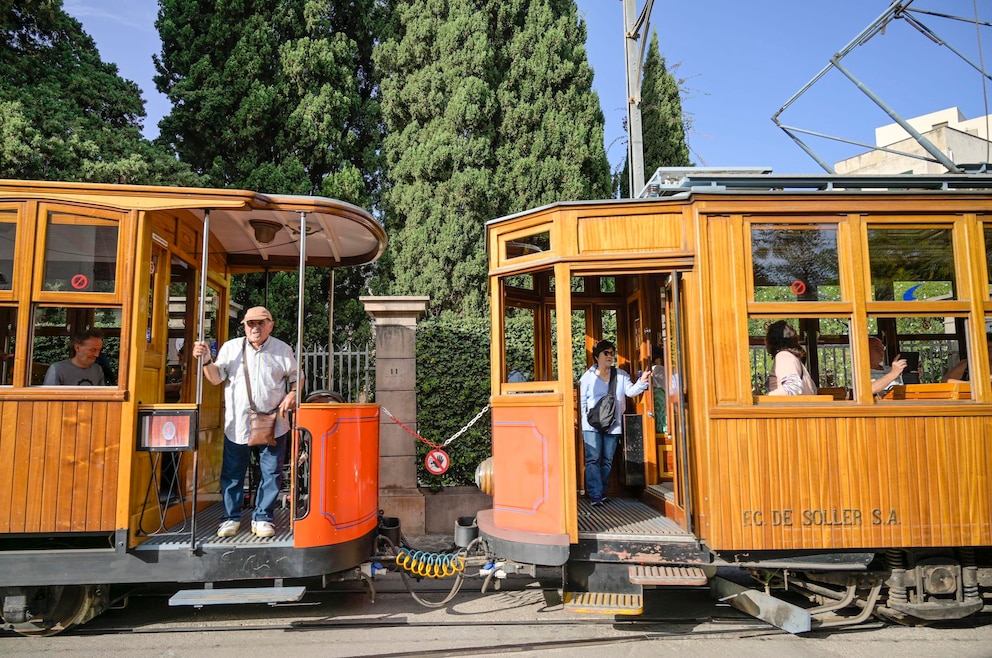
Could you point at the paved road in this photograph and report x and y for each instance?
(524, 620)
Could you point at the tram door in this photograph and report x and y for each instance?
(675, 464)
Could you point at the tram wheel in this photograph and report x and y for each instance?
(42, 611)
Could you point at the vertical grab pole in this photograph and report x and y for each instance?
(299, 306)
(200, 332)
(294, 452)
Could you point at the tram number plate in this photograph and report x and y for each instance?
(437, 461)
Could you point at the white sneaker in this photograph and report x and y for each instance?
(228, 528)
(263, 529)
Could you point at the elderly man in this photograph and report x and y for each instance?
(82, 369)
(270, 366)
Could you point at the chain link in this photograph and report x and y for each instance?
(428, 441)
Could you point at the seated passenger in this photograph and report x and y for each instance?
(883, 377)
(789, 374)
(82, 369)
(959, 373)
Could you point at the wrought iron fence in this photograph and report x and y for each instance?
(348, 370)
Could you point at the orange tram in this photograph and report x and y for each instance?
(106, 486)
(860, 502)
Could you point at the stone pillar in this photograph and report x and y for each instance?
(396, 389)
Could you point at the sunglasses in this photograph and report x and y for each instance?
(256, 323)
(608, 353)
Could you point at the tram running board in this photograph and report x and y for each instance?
(201, 597)
(604, 603)
(667, 576)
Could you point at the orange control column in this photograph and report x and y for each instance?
(343, 489)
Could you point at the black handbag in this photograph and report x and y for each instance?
(604, 412)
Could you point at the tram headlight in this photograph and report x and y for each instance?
(484, 476)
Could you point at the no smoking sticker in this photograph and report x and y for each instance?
(437, 461)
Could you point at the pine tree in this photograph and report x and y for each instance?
(663, 124)
(64, 113)
(489, 110)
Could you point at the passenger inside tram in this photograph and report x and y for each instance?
(82, 368)
(883, 377)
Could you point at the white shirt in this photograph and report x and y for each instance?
(272, 369)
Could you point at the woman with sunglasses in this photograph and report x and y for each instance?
(600, 445)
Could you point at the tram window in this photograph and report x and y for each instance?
(796, 262)
(578, 284)
(527, 245)
(608, 284)
(80, 254)
(578, 343)
(519, 329)
(936, 340)
(8, 328)
(8, 235)
(54, 327)
(522, 281)
(828, 353)
(911, 263)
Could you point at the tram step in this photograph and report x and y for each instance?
(604, 603)
(667, 576)
(202, 597)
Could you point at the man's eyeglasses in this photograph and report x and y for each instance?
(256, 323)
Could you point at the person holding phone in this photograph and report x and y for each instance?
(883, 377)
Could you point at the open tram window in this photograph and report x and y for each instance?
(827, 346)
(795, 262)
(909, 263)
(80, 253)
(54, 329)
(519, 328)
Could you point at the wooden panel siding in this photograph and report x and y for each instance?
(59, 465)
(629, 234)
(797, 483)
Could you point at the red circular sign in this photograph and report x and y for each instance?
(79, 281)
(437, 461)
(798, 287)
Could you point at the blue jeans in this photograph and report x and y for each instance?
(232, 478)
(600, 447)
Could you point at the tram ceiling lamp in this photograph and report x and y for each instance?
(265, 230)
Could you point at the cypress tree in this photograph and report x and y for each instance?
(489, 110)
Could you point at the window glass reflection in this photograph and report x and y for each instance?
(795, 263)
(911, 264)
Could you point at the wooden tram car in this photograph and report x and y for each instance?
(118, 484)
(863, 503)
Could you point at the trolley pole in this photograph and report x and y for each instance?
(635, 27)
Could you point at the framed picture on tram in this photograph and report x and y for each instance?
(166, 430)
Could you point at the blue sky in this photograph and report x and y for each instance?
(740, 62)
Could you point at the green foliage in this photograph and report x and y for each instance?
(489, 110)
(65, 114)
(452, 387)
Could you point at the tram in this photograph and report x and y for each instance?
(104, 487)
(850, 502)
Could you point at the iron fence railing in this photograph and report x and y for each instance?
(348, 370)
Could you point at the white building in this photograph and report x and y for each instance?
(965, 141)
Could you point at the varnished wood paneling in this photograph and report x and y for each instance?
(63, 459)
(631, 233)
(798, 483)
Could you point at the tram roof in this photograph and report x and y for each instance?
(338, 233)
(683, 183)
